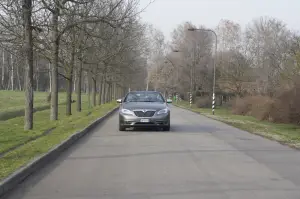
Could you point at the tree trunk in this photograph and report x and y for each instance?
(100, 90)
(119, 91)
(12, 72)
(110, 91)
(86, 82)
(103, 92)
(19, 79)
(3, 69)
(70, 78)
(103, 88)
(114, 91)
(69, 93)
(54, 69)
(50, 78)
(79, 76)
(88, 86)
(94, 91)
(37, 77)
(106, 93)
(8, 84)
(74, 82)
(28, 44)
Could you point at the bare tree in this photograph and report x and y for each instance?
(266, 40)
(194, 58)
(28, 47)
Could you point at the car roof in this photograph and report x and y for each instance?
(144, 92)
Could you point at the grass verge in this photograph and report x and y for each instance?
(12, 103)
(14, 100)
(12, 134)
(287, 134)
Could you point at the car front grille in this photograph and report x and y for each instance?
(144, 114)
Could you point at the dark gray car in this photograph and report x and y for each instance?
(144, 109)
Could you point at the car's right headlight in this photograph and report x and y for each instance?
(126, 111)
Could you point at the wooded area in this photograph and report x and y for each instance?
(97, 47)
(256, 67)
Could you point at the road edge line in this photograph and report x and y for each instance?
(10, 182)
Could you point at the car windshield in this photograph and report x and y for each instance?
(144, 97)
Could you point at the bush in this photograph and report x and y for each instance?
(261, 107)
(286, 107)
(256, 106)
(279, 112)
(203, 102)
(241, 106)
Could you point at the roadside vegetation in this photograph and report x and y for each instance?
(12, 134)
(12, 103)
(288, 134)
(19, 147)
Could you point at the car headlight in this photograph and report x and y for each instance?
(126, 112)
(163, 111)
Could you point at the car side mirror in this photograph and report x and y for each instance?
(169, 101)
(119, 101)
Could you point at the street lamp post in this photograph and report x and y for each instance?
(214, 62)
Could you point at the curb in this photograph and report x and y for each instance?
(22, 173)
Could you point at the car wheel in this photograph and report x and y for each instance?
(121, 128)
(166, 128)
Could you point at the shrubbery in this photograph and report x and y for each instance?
(283, 108)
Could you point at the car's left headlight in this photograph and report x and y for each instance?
(163, 111)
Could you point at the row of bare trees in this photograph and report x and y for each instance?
(93, 45)
(261, 59)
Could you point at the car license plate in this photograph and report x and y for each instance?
(145, 120)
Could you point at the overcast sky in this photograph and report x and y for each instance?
(167, 14)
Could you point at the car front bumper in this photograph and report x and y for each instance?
(134, 121)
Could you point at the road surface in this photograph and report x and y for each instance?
(198, 158)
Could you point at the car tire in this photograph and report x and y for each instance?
(121, 128)
(166, 128)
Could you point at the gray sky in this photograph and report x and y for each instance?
(167, 14)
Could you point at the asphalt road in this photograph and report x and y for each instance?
(199, 158)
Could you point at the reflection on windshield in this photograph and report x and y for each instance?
(144, 97)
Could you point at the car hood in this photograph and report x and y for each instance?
(144, 105)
